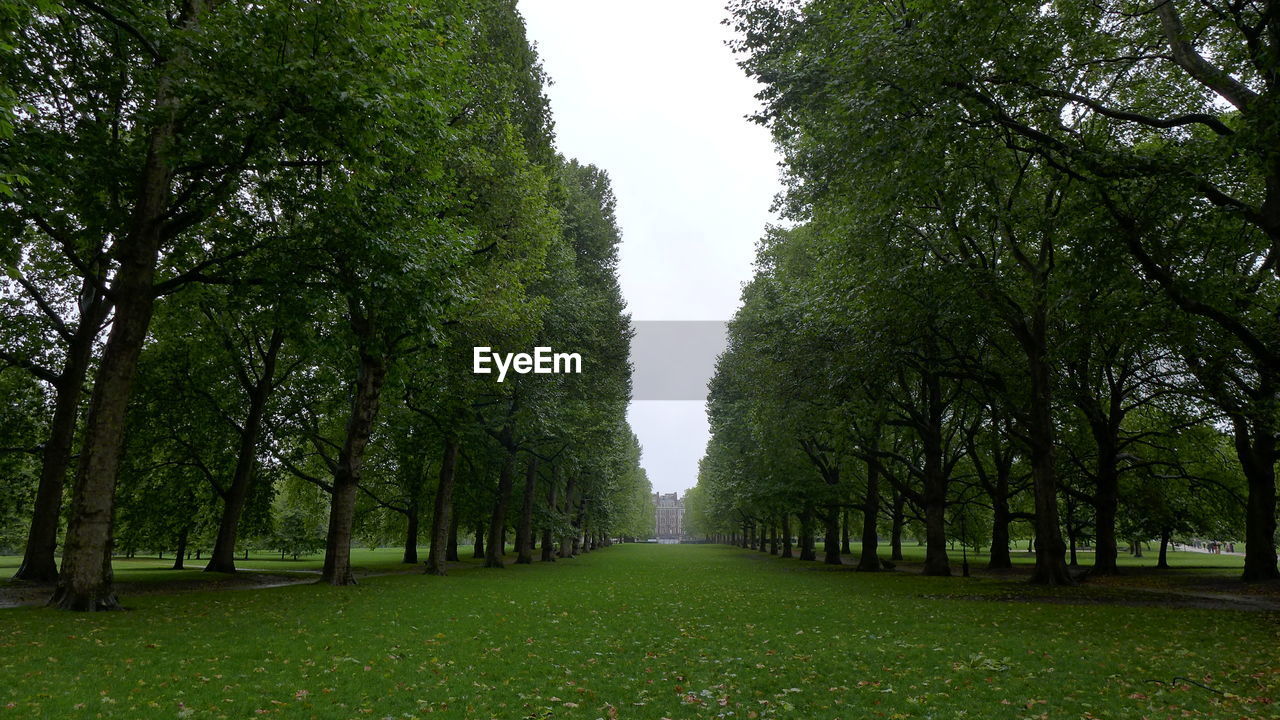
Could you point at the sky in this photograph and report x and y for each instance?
(649, 92)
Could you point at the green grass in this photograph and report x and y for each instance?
(1177, 559)
(639, 632)
(151, 569)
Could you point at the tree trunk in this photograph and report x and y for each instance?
(786, 535)
(579, 523)
(548, 541)
(451, 555)
(1000, 558)
(346, 476)
(831, 544)
(39, 563)
(86, 579)
(807, 549)
(1256, 448)
(845, 548)
(1104, 415)
(1074, 560)
(223, 559)
(1051, 567)
(477, 547)
(566, 543)
(869, 559)
(181, 555)
(899, 522)
(412, 531)
(498, 523)
(1163, 562)
(444, 527)
(524, 534)
(936, 560)
(85, 582)
(934, 492)
(1106, 500)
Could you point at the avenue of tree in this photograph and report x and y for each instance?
(1030, 289)
(253, 246)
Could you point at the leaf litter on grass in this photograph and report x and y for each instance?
(636, 632)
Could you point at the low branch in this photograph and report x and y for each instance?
(40, 371)
(299, 473)
(383, 503)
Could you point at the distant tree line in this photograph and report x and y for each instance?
(253, 246)
(1031, 282)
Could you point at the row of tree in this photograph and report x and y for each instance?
(263, 238)
(1033, 277)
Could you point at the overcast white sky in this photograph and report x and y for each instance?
(649, 92)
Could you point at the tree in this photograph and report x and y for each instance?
(978, 137)
(182, 111)
(1162, 120)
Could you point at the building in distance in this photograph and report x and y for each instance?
(670, 520)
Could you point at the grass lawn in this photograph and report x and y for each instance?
(1021, 556)
(641, 631)
(382, 560)
(151, 569)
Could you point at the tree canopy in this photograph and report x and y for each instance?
(1031, 259)
(263, 238)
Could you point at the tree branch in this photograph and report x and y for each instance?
(130, 29)
(30, 366)
(1210, 121)
(1186, 57)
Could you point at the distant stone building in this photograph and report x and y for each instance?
(670, 520)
